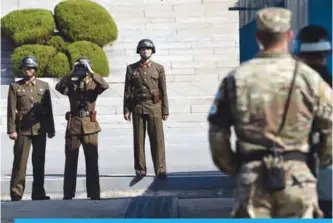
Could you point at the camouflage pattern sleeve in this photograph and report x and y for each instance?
(11, 110)
(323, 123)
(220, 122)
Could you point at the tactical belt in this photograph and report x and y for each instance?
(144, 97)
(80, 113)
(259, 155)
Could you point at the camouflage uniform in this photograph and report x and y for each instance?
(252, 99)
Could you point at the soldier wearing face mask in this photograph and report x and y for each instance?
(29, 121)
(146, 100)
(82, 86)
(313, 49)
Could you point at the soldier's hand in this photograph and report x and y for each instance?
(50, 135)
(127, 116)
(13, 135)
(165, 117)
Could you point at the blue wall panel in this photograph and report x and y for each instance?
(320, 13)
(247, 42)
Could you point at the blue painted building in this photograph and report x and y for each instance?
(305, 12)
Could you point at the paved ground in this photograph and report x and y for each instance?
(118, 208)
(187, 153)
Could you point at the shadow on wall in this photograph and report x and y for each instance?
(7, 48)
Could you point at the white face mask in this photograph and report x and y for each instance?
(261, 47)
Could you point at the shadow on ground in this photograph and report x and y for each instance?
(180, 195)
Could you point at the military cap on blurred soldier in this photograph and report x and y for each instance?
(272, 122)
(30, 119)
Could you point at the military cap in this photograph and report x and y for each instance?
(274, 20)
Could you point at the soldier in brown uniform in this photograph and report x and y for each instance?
(29, 120)
(82, 86)
(145, 96)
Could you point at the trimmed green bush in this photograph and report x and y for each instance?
(59, 43)
(58, 66)
(95, 54)
(85, 20)
(42, 53)
(28, 26)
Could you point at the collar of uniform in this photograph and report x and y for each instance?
(272, 54)
(147, 64)
(32, 82)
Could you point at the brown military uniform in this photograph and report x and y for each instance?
(82, 128)
(30, 115)
(145, 96)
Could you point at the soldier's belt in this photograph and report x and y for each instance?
(259, 155)
(144, 97)
(81, 114)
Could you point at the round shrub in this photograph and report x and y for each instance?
(28, 26)
(95, 54)
(59, 43)
(42, 53)
(85, 20)
(58, 66)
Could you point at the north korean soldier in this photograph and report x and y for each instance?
(271, 102)
(314, 46)
(29, 121)
(82, 86)
(145, 97)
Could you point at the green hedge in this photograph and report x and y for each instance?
(28, 26)
(95, 54)
(85, 20)
(59, 43)
(42, 53)
(58, 66)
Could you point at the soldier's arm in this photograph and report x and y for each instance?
(323, 123)
(163, 90)
(102, 85)
(62, 85)
(127, 91)
(50, 118)
(220, 122)
(11, 110)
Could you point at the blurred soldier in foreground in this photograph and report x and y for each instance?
(82, 86)
(314, 46)
(29, 120)
(145, 96)
(271, 101)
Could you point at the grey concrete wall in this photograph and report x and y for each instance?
(196, 40)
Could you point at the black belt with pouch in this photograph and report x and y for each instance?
(274, 172)
(82, 114)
